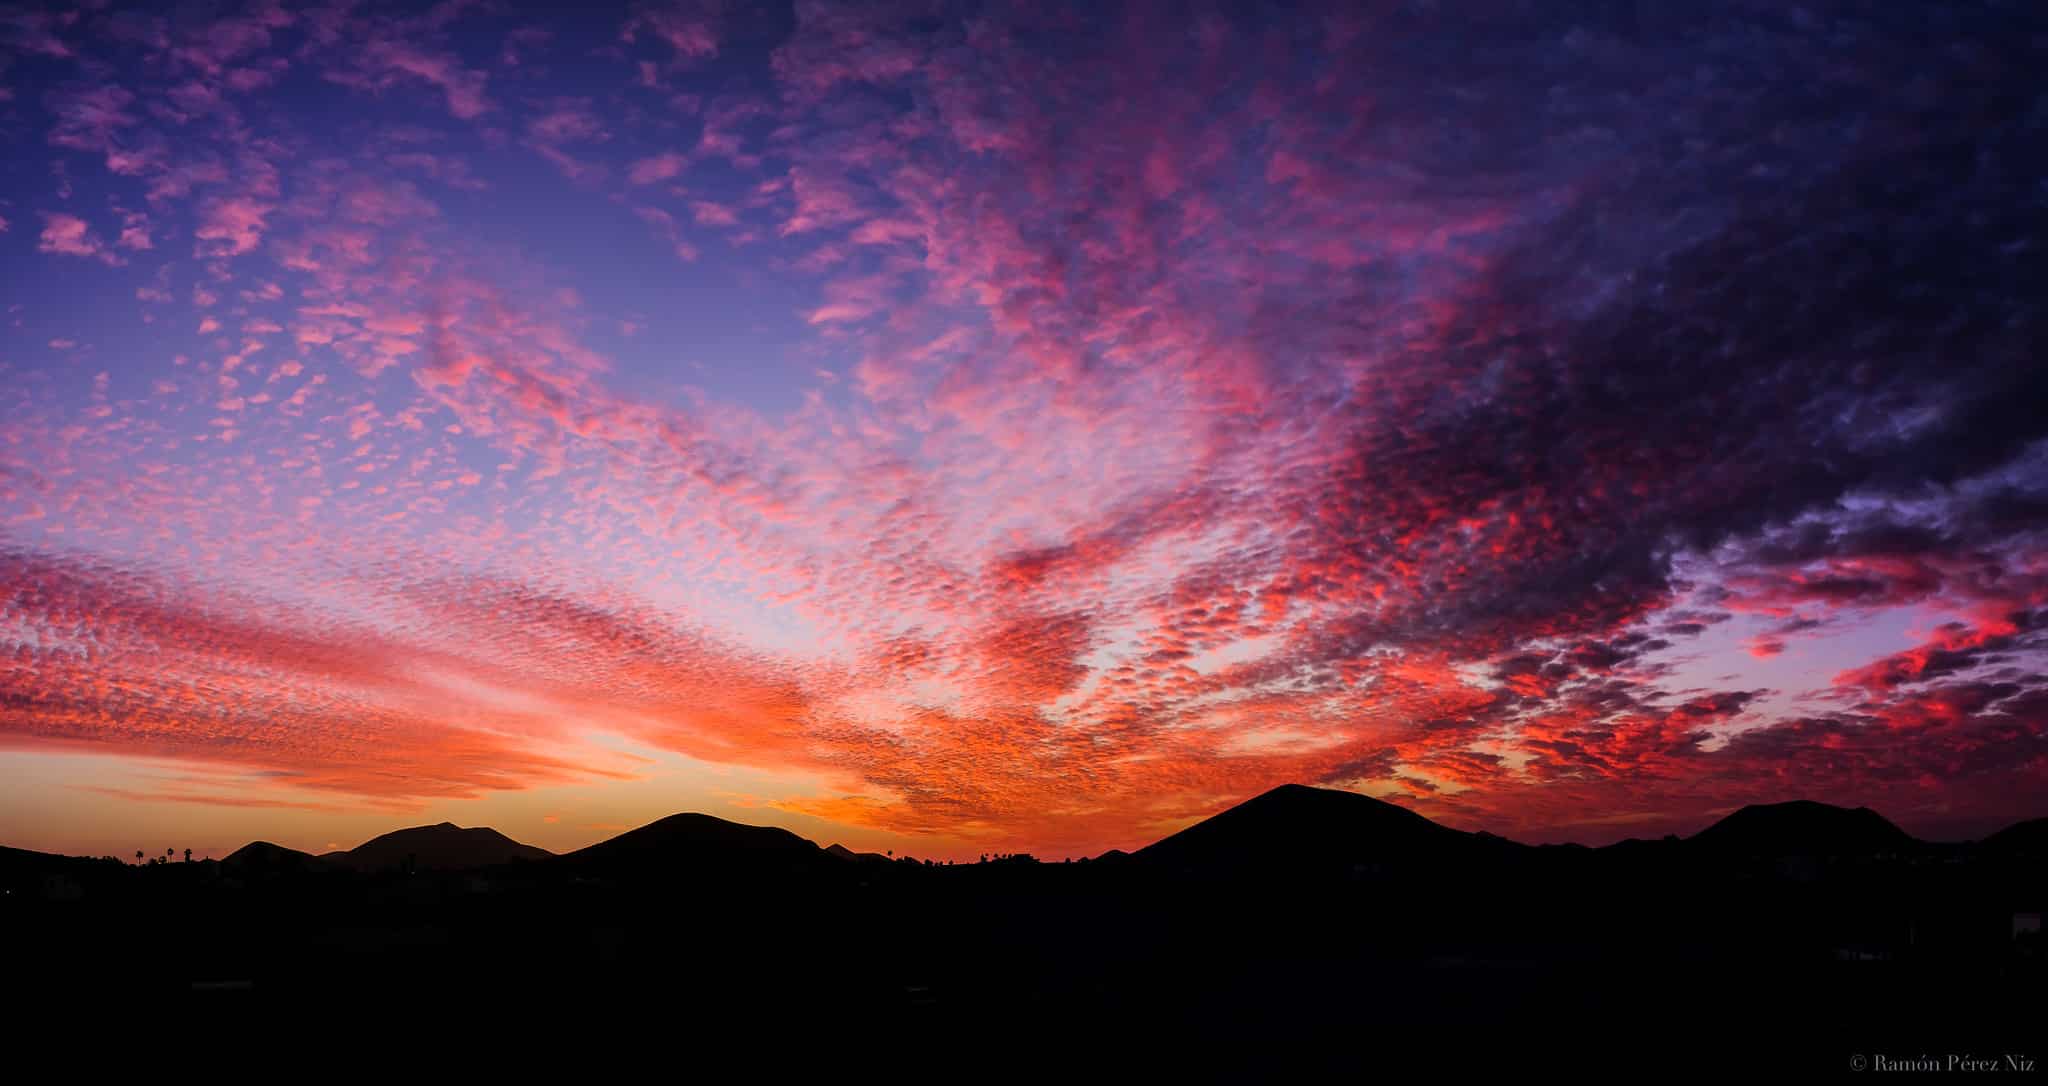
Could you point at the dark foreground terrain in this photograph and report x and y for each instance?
(1303, 929)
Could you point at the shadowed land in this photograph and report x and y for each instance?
(1296, 927)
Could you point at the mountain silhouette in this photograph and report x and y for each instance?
(1283, 922)
(262, 857)
(1311, 829)
(2029, 838)
(841, 852)
(442, 846)
(16, 863)
(1803, 827)
(682, 843)
(12, 858)
(1291, 826)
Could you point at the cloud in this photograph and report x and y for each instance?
(95, 117)
(135, 233)
(661, 167)
(689, 30)
(1576, 425)
(570, 121)
(665, 224)
(70, 235)
(231, 226)
(463, 87)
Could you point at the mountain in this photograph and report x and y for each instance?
(1310, 829)
(841, 852)
(2029, 838)
(262, 857)
(443, 846)
(1803, 827)
(21, 859)
(688, 843)
(19, 866)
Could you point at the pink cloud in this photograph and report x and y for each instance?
(72, 236)
(708, 213)
(38, 32)
(822, 200)
(93, 119)
(852, 300)
(666, 225)
(450, 170)
(688, 29)
(661, 167)
(231, 226)
(135, 232)
(567, 122)
(463, 87)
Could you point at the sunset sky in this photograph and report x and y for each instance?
(962, 428)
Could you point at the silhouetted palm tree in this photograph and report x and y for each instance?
(188, 855)
(138, 856)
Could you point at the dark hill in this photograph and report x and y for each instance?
(262, 857)
(1316, 829)
(2029, 838)
(21, 866)
(443, 846)
(682, 844)
(841, 852)
(1803, 827)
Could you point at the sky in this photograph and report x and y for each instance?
(988, 427)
